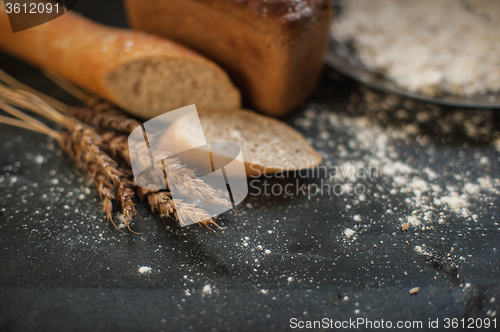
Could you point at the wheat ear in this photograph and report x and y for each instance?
(105, 116)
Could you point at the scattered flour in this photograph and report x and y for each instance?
(496, 144)
(39, 159)
(431, 175)
(349, 232)
(414, 192)
(145, 270)
(413, 221)
(207, 289)
(120, 220)
(453, 200)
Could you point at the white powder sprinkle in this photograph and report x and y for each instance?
(415, 193)
(496, 144)
(145, 270)
(39, 159)
(453, 200)
(472, 188)
(207, 289)
(120, 220)
(413, 221)
(348, 232)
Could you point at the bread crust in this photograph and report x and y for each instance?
(272, 50)
(86, 52)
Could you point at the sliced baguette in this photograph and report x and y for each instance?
(267, 145)
(143, 74)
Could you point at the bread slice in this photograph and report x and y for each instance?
(143, 74)
(273, 50)
(267, 145)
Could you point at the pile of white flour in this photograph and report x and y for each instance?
(426, 46)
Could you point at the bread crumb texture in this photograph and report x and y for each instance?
(263, 140)
(155, 85)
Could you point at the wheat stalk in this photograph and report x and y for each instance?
(96, 112)
(26, 125)
(85, 148)
(73, 148)
(84, 145)
(187, 183)
(160, 202)
(189, 211)
(105, 116)
(6, 78)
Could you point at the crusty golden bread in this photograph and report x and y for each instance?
(143, 74)
(267, 145)
(273, 50)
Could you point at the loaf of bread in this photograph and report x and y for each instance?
(267, 145)
(273, 50)
(143, 74)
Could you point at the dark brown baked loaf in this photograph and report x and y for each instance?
(273, 50)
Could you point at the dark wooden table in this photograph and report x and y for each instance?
(62, 267)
